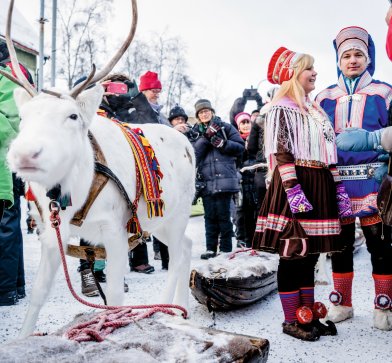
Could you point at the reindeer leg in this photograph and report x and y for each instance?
(181, 296)
(49, 263)
(117, 258)
(178, 275)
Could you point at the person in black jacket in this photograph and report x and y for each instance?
(217, 144)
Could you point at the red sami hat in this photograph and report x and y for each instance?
(149, 80)
(280, 65)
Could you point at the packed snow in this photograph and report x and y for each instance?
(356, 341)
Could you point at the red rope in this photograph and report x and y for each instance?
(252, 252)
(116, 316)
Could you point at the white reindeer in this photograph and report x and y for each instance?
(53, 148)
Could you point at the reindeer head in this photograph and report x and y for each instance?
(54, 125)
(52, 134)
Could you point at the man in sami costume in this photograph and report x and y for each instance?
(358, 101)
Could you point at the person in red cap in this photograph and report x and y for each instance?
(146, 108)
(299, 218)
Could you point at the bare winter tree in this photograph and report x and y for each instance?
(82, 36)
(167, 57)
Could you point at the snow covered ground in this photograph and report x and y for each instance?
(357, 341)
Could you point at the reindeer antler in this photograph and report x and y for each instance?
(105, 71)
(21, 79)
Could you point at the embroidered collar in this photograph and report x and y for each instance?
(357, 84)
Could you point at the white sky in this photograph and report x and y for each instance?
(230, 42)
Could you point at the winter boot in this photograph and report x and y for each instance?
(8, 298)
(382, 315)
(329, 328)
(338, 313)
(341, 308)
(207, 255)
(89, 287)
(301, 331)
(20, 290)
(320, 312)
(144, 269)
(297, 318)
(382, 319)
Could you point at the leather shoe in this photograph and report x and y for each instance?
(145, 269)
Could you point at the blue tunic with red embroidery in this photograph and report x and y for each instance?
(364, 106)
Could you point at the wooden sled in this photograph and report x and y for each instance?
(222, 294)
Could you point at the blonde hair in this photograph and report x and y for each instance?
(292, 88)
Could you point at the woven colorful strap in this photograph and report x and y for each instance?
(148, 166)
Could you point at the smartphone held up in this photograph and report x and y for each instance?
(117, 88)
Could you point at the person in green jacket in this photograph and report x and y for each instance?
(12, 282)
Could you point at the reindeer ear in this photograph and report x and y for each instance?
(89, 101)
(21, 96)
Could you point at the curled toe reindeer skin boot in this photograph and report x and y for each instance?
(301, 331)
(302, 328)
(320, 312)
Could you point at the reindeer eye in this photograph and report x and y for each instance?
(74, 116)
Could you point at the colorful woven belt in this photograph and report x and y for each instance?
(310, 163)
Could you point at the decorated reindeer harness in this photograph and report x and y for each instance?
(148, 176)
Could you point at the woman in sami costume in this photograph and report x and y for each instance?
(358, 101)
(301, 151)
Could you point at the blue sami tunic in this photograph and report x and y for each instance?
(364, 104)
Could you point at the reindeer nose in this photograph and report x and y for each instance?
(27, 156)
(36, 154)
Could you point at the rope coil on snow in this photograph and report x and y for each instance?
(116, 316)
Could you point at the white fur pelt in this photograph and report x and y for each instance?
(53, 148)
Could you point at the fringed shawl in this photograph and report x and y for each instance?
(306, 135)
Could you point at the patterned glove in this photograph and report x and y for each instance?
(297, 200)
(212, 129)
(218, 142)
(344, 204)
